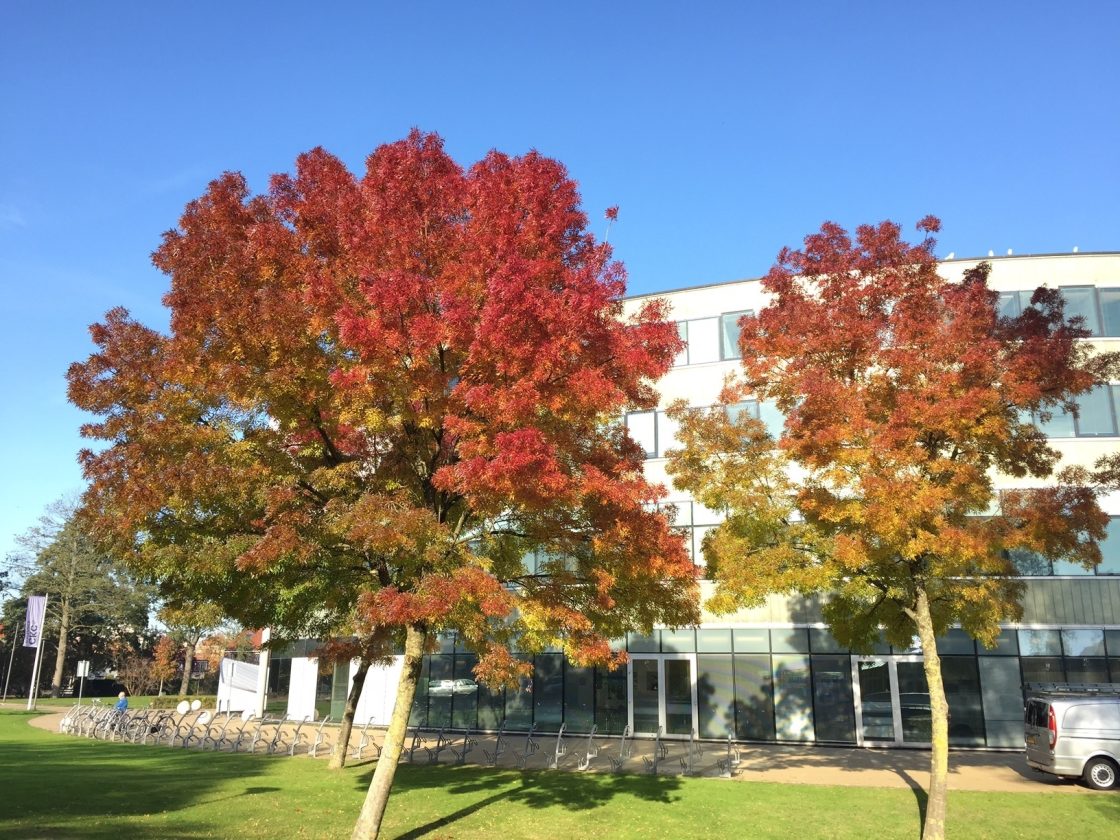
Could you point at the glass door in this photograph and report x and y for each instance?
(645, 703)
(662, 694)
(892, 701)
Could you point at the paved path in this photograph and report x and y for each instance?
(886, 768)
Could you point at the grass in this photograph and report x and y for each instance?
(63, 787)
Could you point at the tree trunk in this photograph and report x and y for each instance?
(373, 809)
(188, 662)
(934, 826)
(60, 656)
(338, 757)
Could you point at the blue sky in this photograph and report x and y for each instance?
(723, 131)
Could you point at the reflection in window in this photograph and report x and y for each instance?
(715, 696)
(754, 698)
(729, 335)
(682, 333)
(1110, 310)
(1083, 642)
(703, 341)
(548, 691)
(1040, 643)
(642, 426)
(1081, 302)
(793, 698)
(962, 690)
(832, 699)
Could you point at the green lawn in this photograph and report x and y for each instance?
(61, 787)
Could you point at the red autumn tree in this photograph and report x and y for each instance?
(904, 395)
(379, 397)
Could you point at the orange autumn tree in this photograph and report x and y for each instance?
(380, 396)
(904, 395)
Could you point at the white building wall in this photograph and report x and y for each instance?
(379, 692)
(301, 692)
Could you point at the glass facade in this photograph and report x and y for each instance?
(1098, 308)
(781, 684)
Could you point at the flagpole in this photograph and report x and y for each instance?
(33, 692)
(11, 657)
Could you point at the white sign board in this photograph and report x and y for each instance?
(83, 668)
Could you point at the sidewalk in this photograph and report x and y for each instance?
(844, 766)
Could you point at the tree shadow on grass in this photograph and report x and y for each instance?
(49, 781)
(534, 789)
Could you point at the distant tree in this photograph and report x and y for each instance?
(89, 592)
(165, 661)
(387, 407)
(135, 672)
(904, 395)
(187, 624)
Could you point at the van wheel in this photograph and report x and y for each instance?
(1100, 774)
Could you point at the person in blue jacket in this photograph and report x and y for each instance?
(122, 702)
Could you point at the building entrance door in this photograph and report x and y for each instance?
(662, 694)
(892, 701)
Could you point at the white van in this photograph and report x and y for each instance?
(1074, 732)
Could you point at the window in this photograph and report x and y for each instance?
(709, 339)
(1110, 310)
(682, 333)
(642, 426)
(703, 341)
(1097, 411)
(1100, 308)
(729, 334)
(1081, 302)
(1012, 304)
(1029, 564)
(667, 429)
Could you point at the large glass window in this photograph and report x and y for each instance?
(682, 333)
(610, 700)
(703, 341)
(548, 691)
(729, 334)
(748, 640)
(1085, 669)
(1110, 549)
(1094, 413)
(1042, 669)
(715, 695)
(1002, 698)
(1110, 310)
(913, 700)
(1081, 302)
(1059, 425)
(491, 707)
(579, 698)
(464, 694)
(966, 709)
(441, 682)
(833, 708)
(1083, 642)
(789, 640)
(754, 698)
(1040, 643)
(667, 430)
(642, 426)
(713, 640)
(519, 702)
(793, 697)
